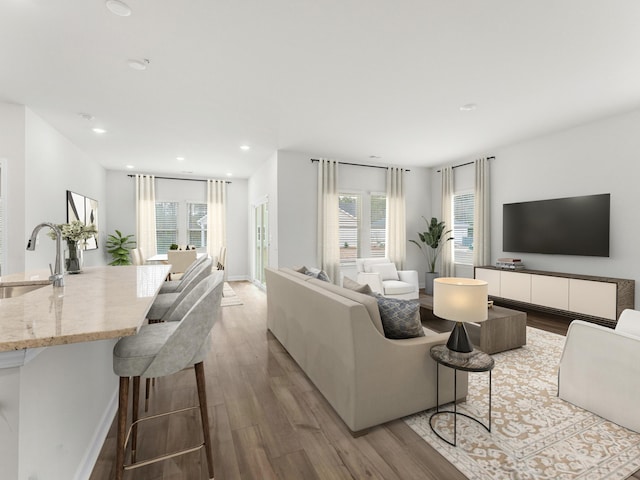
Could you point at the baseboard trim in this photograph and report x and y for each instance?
(238, 278)
(93, 450)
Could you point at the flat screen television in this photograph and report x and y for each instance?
(562, 226)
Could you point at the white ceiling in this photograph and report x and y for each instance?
(335, 78)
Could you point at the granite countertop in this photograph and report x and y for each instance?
(98, 304)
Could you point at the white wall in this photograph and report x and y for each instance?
(121, 200)
(599, 157)
(54, 165)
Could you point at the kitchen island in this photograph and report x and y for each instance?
(58, 392)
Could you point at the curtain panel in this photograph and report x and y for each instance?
(328, 223)
(446, 256)
(146, 215)
(396, 241)
(216, 217)
(481, 215)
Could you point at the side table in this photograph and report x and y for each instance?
(476, 361)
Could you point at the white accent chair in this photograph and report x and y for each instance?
(600, 369)
(180, 261)
(383, 278)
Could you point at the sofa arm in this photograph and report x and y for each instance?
(374, 280)
(600, 372)
(409, 276)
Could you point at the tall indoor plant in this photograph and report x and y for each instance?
(431, 242)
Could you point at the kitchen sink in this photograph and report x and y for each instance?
(13, 291)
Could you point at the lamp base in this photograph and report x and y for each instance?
(459, 340)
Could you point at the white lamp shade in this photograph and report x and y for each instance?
(460, 299)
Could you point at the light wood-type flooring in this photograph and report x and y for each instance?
(269, 421)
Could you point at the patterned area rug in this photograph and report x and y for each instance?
(229, 297)
(534, 434)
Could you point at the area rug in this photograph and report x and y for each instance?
(534, 434)
(229, 297)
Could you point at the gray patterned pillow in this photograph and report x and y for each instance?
(400, 318)
(315, 273)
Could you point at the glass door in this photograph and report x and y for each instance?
(261, 235)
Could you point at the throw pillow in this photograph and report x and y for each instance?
(387, 271)
(315, 273)
(400, 318)
(355, 286)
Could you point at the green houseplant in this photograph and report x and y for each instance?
(431, 242)
(119, 247)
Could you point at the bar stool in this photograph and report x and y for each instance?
(172, 286)
(162, 349)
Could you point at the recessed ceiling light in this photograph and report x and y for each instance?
(467, 107)
(138, 64)
(245, 147)
(99, 130)
(86, 116)
(229, 174)
(118, 8)
(130, 167)
(374, 157)
(180, 159)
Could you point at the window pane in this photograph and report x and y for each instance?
(166, 225)
(197, 224)
(463, 228)
(349, 220)
(378, 224)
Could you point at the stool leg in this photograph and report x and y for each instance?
(147, 386)
(202, 398)
(123, 403)
(134, 429)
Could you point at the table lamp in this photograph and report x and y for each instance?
(460, 300)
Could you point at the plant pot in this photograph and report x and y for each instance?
(429, 277)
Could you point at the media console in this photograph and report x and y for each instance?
(595, 299)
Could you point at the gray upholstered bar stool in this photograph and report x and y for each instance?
(173, 286)
(164, 301)
(162, 349)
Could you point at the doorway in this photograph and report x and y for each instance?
(261, 236)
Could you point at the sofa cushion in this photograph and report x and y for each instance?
(295, 273)
(387, 271)
(368, 301)
(400, 318)
(314, 272)
(397, 287)
(355, 286)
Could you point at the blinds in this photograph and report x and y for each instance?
(378, 226)
(349, 227)
(166, 225)
(463, 206)
(197, 224)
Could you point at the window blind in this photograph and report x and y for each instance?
(463, 228)
(166, 225)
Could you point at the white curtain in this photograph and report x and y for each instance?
(396, 217)
(446, 255)
(481, 215)
(146, 215)
(216, 217)
(328, 224)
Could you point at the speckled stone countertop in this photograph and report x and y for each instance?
(98, 304)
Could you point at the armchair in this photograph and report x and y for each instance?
(381, 275)
(600, 369)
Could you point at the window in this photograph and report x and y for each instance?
(363, 226)
(166, 225)
(463, 228)
(197, 224)
(349, 221)
(378, 231)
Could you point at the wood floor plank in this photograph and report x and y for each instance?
(268, 421)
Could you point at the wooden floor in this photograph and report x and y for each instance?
(269, 421)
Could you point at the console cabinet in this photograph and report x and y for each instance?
(597, 299)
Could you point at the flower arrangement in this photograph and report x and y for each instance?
(75, 231)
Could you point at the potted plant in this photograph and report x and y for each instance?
(119, 247)
(431, 242)
(75, 233)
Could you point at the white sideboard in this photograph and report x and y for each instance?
(598, 299)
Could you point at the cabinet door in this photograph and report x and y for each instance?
(515, 286)
(593, 298)
(492, 277)
(550, 292)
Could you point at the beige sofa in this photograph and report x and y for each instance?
(335, 335)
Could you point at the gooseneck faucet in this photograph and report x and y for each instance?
(57, 275)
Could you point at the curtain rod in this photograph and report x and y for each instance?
(358, 164)
(178, 178)
(465, 164)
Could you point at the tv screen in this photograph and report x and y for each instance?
(563, 226)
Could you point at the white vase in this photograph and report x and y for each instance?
(73, 258)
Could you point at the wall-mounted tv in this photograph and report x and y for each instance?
(562, 226)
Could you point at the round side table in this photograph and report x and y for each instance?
(476, 361)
